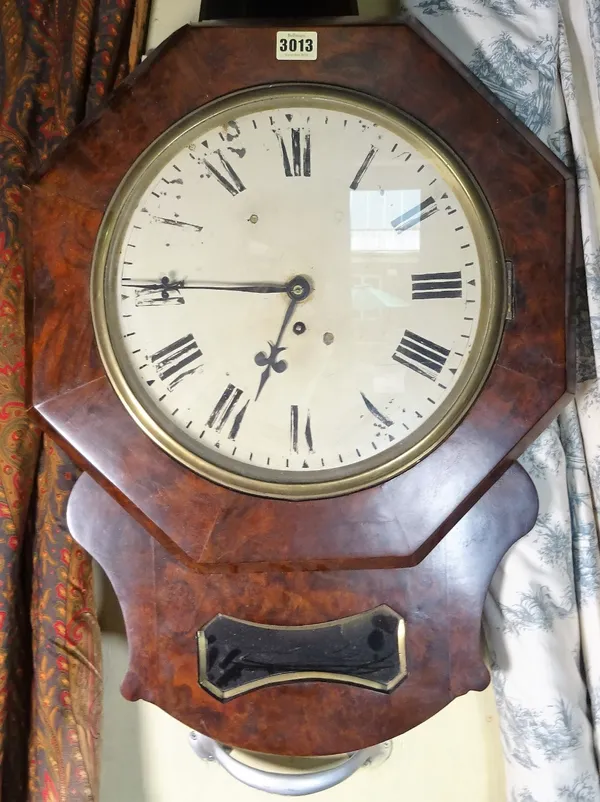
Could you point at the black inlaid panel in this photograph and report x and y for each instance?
(236, 657)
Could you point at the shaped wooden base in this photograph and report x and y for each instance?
(435, 616)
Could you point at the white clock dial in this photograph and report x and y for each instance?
(297, 287)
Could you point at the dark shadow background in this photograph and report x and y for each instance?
(228, 9)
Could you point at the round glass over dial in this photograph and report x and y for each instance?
(298, 292)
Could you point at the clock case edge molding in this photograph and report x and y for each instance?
(396, 524)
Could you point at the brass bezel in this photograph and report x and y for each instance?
(299, 485)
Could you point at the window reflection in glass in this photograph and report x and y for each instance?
(371, 213)
(378, 252)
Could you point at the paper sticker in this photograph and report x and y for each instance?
(297, 45)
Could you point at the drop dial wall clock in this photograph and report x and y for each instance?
(299, 299)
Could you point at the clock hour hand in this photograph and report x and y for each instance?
(270, 361)
(298, 289)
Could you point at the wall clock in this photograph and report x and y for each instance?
(298, 300)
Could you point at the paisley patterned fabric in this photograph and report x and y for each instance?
(58, 60)
(542, 616)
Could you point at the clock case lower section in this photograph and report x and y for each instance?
(433, 608)
(209, 528)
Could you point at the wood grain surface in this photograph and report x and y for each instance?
(165, 604)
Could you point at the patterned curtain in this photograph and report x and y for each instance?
(58, 60)
(542, 58)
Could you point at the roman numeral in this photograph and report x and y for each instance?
(295, 427)
(436, 285)
(231, 180)
(169, 221)
(382, 420)
(226, 406)
(364, 167)
(174, 362)
(415, 215)
(421, 355)
(300, 164)
(159, 295)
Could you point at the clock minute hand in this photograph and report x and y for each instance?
(170, 286)
(259, 287)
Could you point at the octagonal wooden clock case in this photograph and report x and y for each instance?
(298, 300)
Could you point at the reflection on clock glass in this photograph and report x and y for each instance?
(295, 289)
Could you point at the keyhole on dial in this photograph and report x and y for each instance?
(299, 328)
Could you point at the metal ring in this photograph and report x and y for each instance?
(273, 782)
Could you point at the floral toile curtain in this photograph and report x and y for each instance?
(57, 62)
(542, 615)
